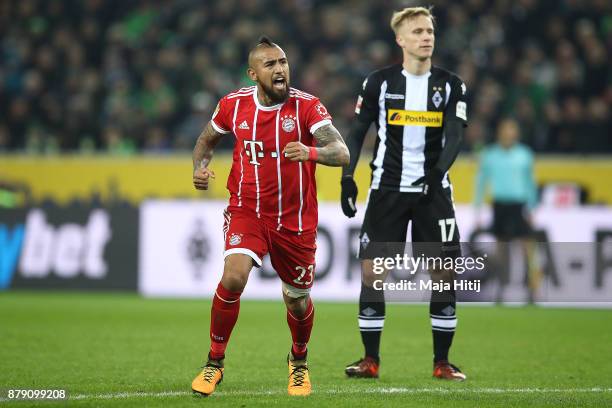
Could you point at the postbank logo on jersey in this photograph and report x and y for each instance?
(400, 117)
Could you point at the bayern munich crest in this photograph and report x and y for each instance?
(235, 239)
(288, 123)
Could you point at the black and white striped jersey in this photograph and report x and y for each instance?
(410, 113)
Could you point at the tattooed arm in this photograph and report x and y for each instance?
(332, 150)
(202, 155)
(203, 150)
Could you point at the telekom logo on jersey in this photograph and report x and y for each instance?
(254, 150)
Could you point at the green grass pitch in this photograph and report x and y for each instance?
(123, 350)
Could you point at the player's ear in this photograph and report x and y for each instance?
(251, 73)
(400, 41)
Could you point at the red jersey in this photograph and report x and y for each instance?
(280, 192)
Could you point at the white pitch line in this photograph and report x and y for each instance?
(343, 391)
(352, 390)
(126, 395)
(485, 390)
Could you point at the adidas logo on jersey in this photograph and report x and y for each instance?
(244, 125)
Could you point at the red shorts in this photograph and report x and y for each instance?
(292, 255)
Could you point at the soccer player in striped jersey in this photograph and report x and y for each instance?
(273, 200)
(420, 112)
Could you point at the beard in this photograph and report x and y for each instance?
(276, 95)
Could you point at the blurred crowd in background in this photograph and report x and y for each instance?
(133, 76)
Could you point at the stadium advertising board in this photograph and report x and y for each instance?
(181, 254)
(72, 247)
(65, 178)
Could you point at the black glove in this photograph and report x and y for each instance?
(348, 197)
(431, 182)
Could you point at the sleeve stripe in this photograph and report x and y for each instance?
(218, 128)
(319, 125)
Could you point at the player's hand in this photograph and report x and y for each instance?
(296, 152)
(431, 183)
(348, 196)
(201, 176)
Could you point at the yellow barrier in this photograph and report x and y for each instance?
(132, 178)
(63, 178)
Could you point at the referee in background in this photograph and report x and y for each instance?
(420, 113)
(506, 170)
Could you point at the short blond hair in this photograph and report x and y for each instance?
(409, 13)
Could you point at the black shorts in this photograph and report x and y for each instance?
(509, 221)
(388, 214)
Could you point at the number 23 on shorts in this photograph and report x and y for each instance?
(306, 275)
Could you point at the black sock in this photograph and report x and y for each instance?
(371, 319)
(443, 322)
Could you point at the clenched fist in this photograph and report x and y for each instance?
(297, 152)
(201, 176)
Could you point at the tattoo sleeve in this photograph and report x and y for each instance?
(204, 147)
(332, 150)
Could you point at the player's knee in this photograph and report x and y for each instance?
(236, 272)
(367, 273)
(297, 306)
(234, 283)
(296, 299)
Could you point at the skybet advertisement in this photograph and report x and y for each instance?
(69, 247)
(569, 260)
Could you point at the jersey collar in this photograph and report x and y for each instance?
(265, 108)
(409, 75)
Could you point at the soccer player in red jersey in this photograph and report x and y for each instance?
(273, 200)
